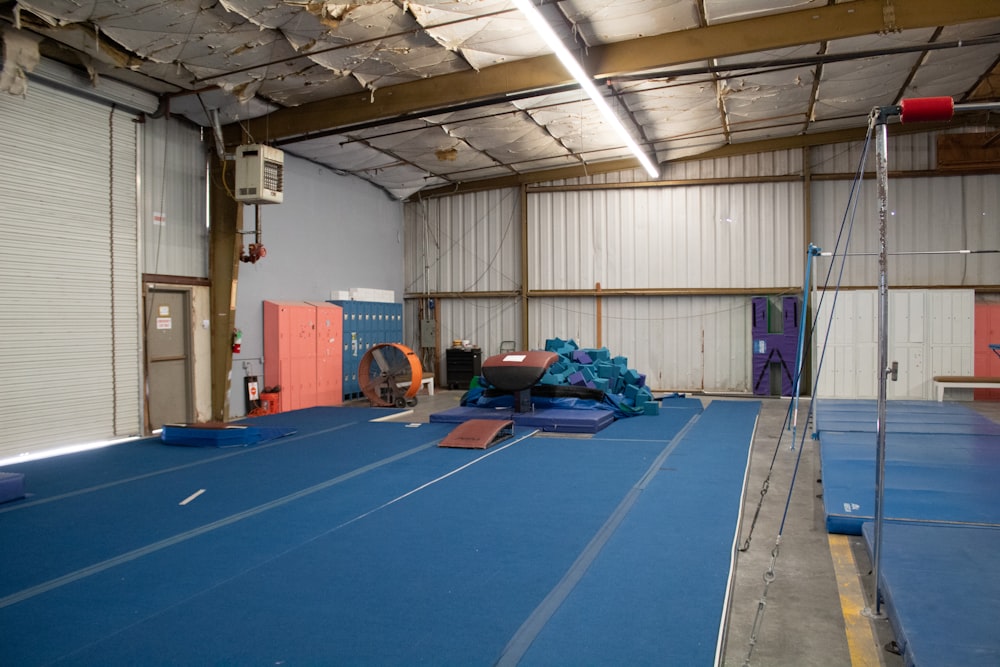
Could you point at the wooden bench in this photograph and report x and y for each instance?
(941, 382)
(425, 381)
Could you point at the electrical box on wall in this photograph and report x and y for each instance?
(260, 174)
(427, 337)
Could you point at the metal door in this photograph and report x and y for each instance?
(168, 352)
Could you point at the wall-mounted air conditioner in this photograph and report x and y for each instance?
(260, 174)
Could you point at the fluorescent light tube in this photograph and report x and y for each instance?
(545, 31)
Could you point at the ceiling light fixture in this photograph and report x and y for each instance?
(545, 31)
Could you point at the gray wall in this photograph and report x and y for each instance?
(332, 232)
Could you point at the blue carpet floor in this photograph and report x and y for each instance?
(363, 543)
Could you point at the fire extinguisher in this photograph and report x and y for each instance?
(237, 340)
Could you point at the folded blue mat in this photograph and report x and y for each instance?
(11, 486)
(547, 419)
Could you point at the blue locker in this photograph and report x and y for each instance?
(366, 324)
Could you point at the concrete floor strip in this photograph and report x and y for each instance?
(860, 637)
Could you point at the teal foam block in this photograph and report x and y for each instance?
(606, 370)
(598, 354)
(651, 408)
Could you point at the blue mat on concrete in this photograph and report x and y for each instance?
(547, 419)
(848, 415)
(366, 544)
(931, 477)
(941, 592)
(941, 460)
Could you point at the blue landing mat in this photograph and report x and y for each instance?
(927, 477)
(941, 592)
(548, 419)
(901, 417)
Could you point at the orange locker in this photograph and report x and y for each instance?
(987, 363)
(290, 352)
(329, 354)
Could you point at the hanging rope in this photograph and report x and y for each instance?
(839, 252)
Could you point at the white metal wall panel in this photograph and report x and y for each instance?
(925, 214)
(173, 214)
(734, 236)
(757, 165)
(844, 358)
(484, 322)
(951, 333)
(680, 343)
(906, 152)
(774, 163)
(930, 333)
(562, 317)
(909, 152)
(466, 243)
(69, 336)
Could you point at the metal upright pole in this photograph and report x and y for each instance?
(882, 177)
(800, 354)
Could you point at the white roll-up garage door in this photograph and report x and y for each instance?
(69, 303)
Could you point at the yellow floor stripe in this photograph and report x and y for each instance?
(860, 638)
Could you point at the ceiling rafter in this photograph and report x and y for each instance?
(775, 31)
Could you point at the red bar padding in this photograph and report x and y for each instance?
(926, 109)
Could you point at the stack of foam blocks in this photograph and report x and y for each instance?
(595, 368)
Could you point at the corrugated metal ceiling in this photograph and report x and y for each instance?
(423, 95)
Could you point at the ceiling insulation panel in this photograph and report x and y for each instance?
(723, 11)
(607, 21)
(484, 32)
(415, 94)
